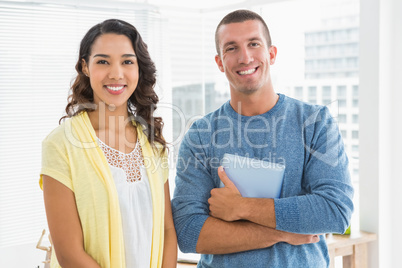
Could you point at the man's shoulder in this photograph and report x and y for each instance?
(201, 129)
(298, 103)
(207, 119)
(303, 108)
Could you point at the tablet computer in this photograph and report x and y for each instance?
(253, 177)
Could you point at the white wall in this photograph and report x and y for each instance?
(22, 256)
(381, 128)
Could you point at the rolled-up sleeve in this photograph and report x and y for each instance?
(327, 206)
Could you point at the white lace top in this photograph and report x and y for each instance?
(135, 201)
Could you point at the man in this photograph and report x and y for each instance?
(228, 229)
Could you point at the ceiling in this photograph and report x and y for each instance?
(200, 5)
(206, 4)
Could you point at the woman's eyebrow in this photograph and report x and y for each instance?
(129, 55)
(101, 55)
(107, 56)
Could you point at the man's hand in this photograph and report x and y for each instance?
(224, 202)
(299, 239)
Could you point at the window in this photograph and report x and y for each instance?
(342, 119)
(39, 44)
(342, 103)
(344, 134)
(355, 119)
(326, 91)
(299, 93)
(355, 91)
(312, 95)
(326, 95)
(326, 101)
(187, 77)
(312, 92)
(341, 91)
(355, 96)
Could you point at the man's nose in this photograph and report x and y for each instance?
(245, 56)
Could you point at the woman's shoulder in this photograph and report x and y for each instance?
(59, 134)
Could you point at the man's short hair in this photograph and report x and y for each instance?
(241, 15)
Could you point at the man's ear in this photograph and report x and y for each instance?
(84, 67)
(272, 54)
(218, 61)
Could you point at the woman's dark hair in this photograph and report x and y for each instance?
(142, 103)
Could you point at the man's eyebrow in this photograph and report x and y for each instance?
(107, 56)
(233, 42)
(229, 43)
(255, 38)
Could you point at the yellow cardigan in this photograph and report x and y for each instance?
(70, 154)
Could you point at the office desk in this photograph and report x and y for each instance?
(352, 248)
(186, 265)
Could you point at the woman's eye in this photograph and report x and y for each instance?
(128, 62)
(102, 62)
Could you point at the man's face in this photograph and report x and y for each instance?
(245, 57)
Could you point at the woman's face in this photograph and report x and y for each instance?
(112, 69)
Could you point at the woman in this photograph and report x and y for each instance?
(104, 170)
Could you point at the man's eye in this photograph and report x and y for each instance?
(230, 49)
(255, 44)
(102, 62)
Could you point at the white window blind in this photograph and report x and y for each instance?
(39, 45)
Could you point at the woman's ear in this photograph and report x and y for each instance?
(84, 67)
